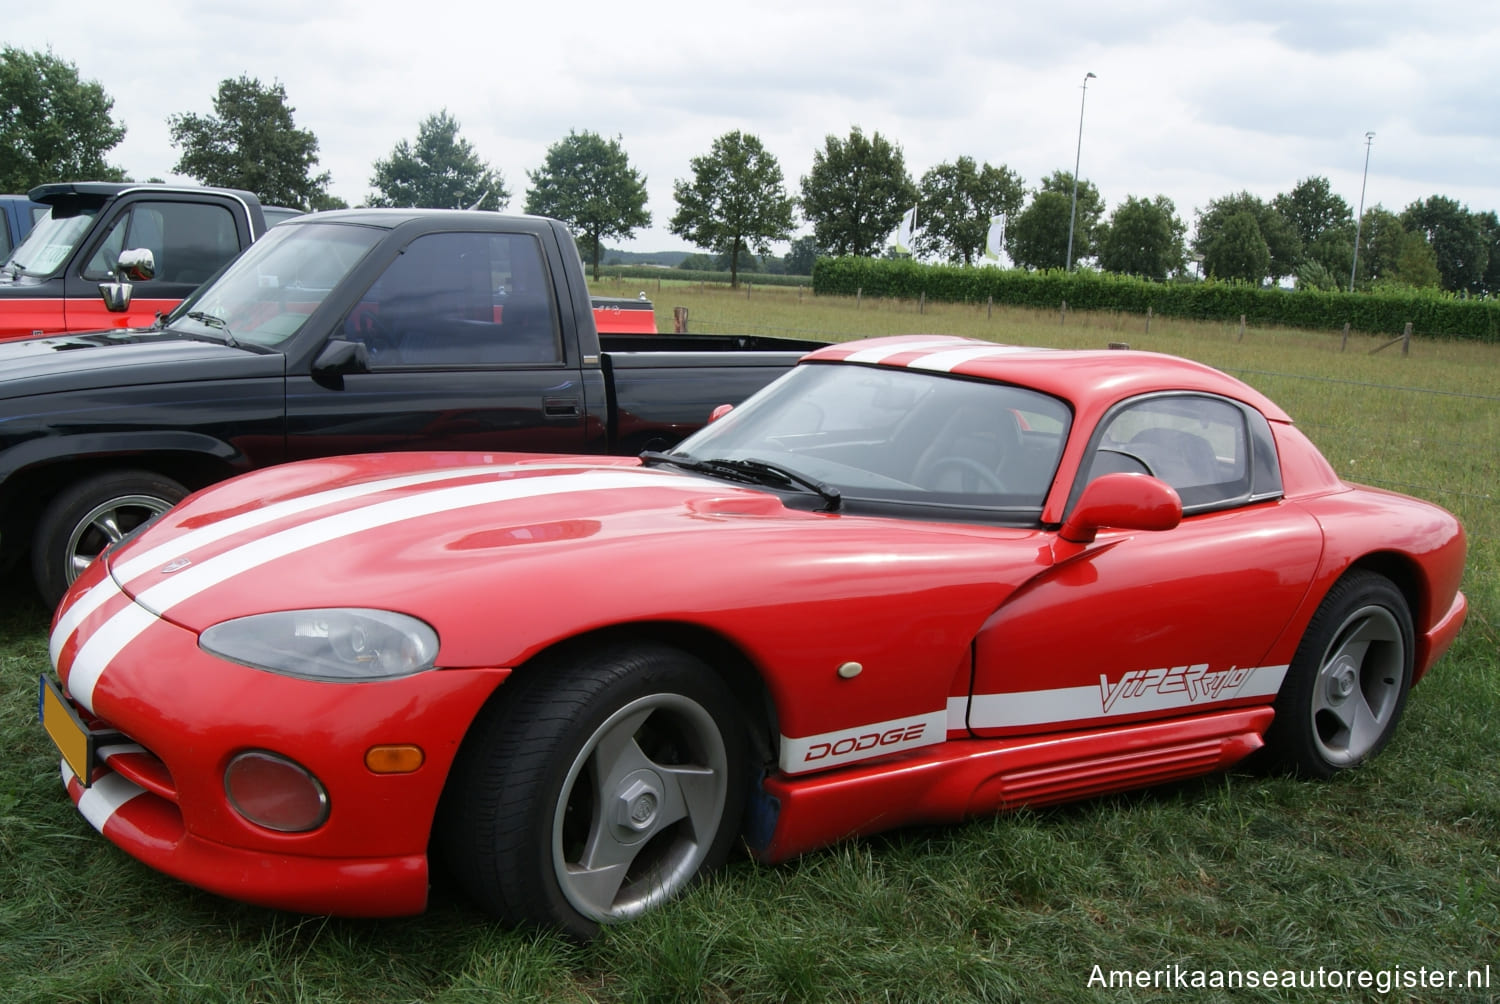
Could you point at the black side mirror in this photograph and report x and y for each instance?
(340, 356)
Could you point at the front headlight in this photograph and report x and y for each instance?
(326, 644)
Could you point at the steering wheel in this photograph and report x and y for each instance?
(378, 337)
(986, 478)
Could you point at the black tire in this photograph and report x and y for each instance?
(595, 787)
(89, 515)
(1347, 684)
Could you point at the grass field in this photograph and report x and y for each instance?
(1393, 870)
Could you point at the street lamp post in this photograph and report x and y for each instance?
(1077, 160)
(1360, 219)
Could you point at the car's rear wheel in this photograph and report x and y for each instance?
(1347, 684)
(596, 788)
(90, 515)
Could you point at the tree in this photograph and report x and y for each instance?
(587, 182)
(736, 200)
(1325, 229)
(1144, 237)
(1283, 246)
(251, 142)
(1381, 238)
(53, 126)
(955, 204)
(1489, 225)
(803, 254)
(1039, 236)
(1237, 249)
(856, 193)
(441, 171)
(1457, 239)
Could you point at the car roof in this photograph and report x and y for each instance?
(1082, 376)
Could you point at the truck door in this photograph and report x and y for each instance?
(466, 353)
(189, 238)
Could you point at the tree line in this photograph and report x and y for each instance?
(736, 203)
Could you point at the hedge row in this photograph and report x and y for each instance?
(653, 273)
(1210, 300)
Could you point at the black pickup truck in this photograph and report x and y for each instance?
(340, 333)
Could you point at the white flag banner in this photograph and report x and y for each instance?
(905, 230)
(995, 240)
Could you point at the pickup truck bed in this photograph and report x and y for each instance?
(342, 333)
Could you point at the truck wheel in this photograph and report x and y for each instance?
(1347, 683)
(86, 517)
(597, 788)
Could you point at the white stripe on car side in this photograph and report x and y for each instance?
(860, 742)
(95, 654)
(1079, 704)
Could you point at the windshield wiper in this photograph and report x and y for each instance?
(754, 472)
(213, 321)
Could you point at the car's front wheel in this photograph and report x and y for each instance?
(1347, 684)
(90, 515)
(596, 787)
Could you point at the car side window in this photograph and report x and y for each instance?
(460, 299)
(189, 241)
(1197, 444)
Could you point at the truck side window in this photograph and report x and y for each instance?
(189, 240)
(460, 299)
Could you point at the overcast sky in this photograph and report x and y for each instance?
(1193, 101)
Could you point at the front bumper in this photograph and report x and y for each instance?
(168, 718)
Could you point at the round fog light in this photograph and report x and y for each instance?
(274, 792)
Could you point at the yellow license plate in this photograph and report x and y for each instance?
(72, 738)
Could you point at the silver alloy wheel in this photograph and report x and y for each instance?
(108, 523)
(640, 807)
(1358, 685)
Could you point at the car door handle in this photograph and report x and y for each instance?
(560, 407)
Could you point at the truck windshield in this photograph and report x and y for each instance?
(267, 294)
(49, 244)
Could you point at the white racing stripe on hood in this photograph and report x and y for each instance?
(94, 655)
(155, 557)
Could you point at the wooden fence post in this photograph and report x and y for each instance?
(1063, 316)
(922, 303)
(1241, 336)
(1406, 340)
(1148, 320)
(680, 320)
(989, 307)
(1345, 343)
(857, 294)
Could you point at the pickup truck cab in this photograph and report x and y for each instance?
(50, 282)
(344, 332)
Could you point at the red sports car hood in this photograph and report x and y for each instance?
(527, 549)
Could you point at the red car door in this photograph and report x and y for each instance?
(1149, 625)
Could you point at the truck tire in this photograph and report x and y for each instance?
(89, 515)
(599, 786)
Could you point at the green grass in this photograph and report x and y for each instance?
(1396, 865)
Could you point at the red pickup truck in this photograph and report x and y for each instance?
(51, 282)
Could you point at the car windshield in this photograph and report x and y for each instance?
(266, 295)
(49, 244)
(896, 437)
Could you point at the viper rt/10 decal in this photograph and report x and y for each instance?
(1136, 692)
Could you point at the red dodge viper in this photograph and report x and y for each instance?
(914, 580)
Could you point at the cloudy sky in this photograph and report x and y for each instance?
(1191, 101)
